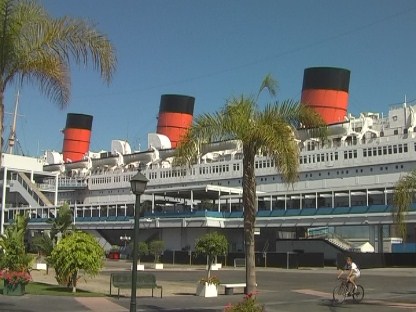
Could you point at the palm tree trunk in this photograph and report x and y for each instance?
(1, 122)
(249, 203)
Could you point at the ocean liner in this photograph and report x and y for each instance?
(345, 185)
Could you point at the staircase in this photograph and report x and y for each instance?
(28, 190)
(339, 242)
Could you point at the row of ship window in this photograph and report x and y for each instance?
(215, 169)
(386, 168)
(113, 179)
(367, 152)
(386, 150)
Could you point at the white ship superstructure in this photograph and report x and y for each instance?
(364, 156)
(347, 180)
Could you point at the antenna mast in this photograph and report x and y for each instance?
(12, 137)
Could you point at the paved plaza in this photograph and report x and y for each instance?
(278, 289)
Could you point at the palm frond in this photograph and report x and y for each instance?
(269, 84)
(38, 48)
(52, 76)
(206, 128)
(85, 44)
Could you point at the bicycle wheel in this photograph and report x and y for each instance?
(339, 294)
(358, 295)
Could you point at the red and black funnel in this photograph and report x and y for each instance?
(175, 116)
(77, 135)
(326, 90)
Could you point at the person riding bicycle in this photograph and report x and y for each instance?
(353, 274)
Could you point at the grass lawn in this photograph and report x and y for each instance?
(34, 288)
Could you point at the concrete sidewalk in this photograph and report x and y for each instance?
(101, 283)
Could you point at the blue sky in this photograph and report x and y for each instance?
(216, 49)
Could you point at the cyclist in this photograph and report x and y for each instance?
(353, 274)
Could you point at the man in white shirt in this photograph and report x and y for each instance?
(354, 272)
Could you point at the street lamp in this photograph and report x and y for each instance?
(125, 239)
(138, 185)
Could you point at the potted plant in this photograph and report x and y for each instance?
(142, 250)
(15, 282)
(211, 245)
(14, 261)
(156, 248)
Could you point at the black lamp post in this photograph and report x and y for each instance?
(138, 185)
(125, 239)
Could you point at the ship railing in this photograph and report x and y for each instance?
(38, 214)
(49, 184)
(72, 183)
(46, 186)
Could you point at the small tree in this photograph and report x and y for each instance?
(142, 249)
(76, 251)
(211, 245)
(156, 248)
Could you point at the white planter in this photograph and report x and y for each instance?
(41, 266)
(215, 266)
(206, 290)
(140, 267)
(159, 266)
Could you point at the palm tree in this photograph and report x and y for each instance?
(36, 48)
(402, 198)
(270, 131)
(13, 256)
(62, 224)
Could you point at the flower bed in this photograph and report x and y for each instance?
(14, 282)
(248, 304)
(13, 278)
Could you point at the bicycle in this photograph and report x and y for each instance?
(344, 289)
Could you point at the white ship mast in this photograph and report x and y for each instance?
(12, 136)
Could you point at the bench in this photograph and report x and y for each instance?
(229, 287)
(123, 280)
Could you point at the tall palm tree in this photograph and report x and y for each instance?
(271, 131)
(37, 48)
(402, 198)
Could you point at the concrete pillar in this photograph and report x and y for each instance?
(372, 236)
(192, 200)
(380, 248)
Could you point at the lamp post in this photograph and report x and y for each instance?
(138, 185)
(125, 239)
